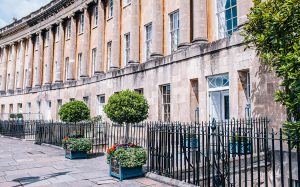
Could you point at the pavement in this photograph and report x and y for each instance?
(23, 163)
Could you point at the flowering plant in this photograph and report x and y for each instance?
(76, 144)
(128, 155)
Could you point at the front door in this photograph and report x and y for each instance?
(219, 105)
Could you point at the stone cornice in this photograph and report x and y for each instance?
(36, 17)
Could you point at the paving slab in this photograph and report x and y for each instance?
(26, 164)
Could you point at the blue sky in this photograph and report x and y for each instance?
(18, 9)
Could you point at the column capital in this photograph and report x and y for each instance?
(71, 15)
(59, 21)
(20, 40)
(38, 32)
(84, 7)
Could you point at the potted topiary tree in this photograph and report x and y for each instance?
(126, 160)
(74, 111)
(127, 107)
(76, 147)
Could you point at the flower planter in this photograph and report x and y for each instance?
(240, 148)
(115, 170)
(75, 154)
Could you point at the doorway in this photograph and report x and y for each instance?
(219, 105)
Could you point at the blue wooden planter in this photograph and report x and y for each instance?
(240, 148)
(115, 170)
(75, 154)
(191, 142)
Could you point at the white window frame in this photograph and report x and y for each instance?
(86, 100)
(57, 34)
(110, 8)
(47, 38)
(96, 16)
(109, 57)
(68, 33)
(165, 114)
(79, 58)
(94, 58)
(81, 23)
(126, 50)
(101, 104)
(67, 60)
(220, 18)
(148, 41)
(174, 30)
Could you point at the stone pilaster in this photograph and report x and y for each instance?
(99, 66)
(4, 69)
(12, 68)
(49, 58)
(38, 61)
(200, 21)
(243, 9)
(59, 53)
(115, 53)
(29, 63)
(86, 44)
(71, 66)
(157, 29)
(21, 65)
(184, 24)
(134, 33)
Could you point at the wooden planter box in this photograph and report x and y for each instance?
(115, 170)
(240, 148)
(75, 154)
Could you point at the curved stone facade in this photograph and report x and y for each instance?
(169, 50)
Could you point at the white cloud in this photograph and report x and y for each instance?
(18, 9)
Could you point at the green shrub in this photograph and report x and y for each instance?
(128, 155)
(75, 144)
(127, 107)
(74, 111)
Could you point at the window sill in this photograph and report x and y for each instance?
(94, 27)
(80, 34)
(67, 39)
(108, 19)
(127, 5)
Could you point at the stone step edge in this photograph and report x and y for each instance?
(167, 180)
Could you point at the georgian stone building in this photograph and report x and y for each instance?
(186, 56)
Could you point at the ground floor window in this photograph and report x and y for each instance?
(218, 97)
(101, 102)
(166, 102)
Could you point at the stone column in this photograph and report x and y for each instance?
(157, 29)
(99, 66)
(184, 24)
(59, 52)
(86, 44)
(4, 69)
(21, 64)
(134, 33)
(200, 21)
(39, 61)
(71, 66)
(49, 59)
(28, 74)
(115, 53)
(12, 67)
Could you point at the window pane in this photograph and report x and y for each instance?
(234, 12)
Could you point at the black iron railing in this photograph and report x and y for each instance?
(226, 153)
